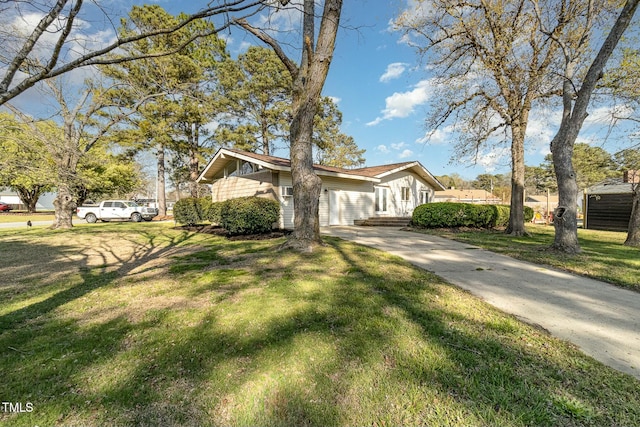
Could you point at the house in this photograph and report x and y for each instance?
(608, 205)
(467, 196)
(10, 197)
(347, 194)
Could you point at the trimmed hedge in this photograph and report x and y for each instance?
(244, 215)
(451, 215)
(191, 210)
(214, 213)
(249, 215)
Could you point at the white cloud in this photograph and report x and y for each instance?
(399, 145)
(374, 122)
(335, 99)
(282, 19)
(438, 136)
(393, 71)
(403, 104)
(382, 148)
(405, 154)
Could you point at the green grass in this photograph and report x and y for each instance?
(603, 256)
(23, 217)
(140, 324)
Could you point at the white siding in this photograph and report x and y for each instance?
(395, 182)
(286, 216)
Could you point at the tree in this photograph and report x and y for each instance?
(83, 128)
(332, 147)
(257, 97)
(576, 95)
(539, 179)
(629, 161)
(308, 80)
(105, 175)
(591, 164)
(453, 181)
(40, 53)
(491, 66)
(180, 86)
(25, 166)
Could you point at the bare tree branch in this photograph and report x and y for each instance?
(271, 42)
(97, 57)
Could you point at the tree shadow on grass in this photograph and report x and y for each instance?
(369, 340)
(491, 368)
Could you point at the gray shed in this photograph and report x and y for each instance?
(608, 206)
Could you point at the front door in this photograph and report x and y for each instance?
(334, 207)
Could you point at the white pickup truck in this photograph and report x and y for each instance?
(108, 210)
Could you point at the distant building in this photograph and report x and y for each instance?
(608, 204)
(45, 202)
(481, 197)
(542, 205)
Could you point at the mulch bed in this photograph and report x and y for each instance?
(219, 231)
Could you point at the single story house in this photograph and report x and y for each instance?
(607, 206)
(45, 202)
(347, 194)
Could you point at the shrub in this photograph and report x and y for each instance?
(213, 214)
(191, 210)
(528, 214)
(249, 215)
(502, 215)
(438, 215)
(447, 214)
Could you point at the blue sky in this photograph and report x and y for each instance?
(382, 89)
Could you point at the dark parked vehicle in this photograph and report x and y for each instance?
(4, 207)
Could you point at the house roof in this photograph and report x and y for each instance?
(611, 187)
(372, 174)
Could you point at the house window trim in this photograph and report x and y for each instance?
(405, 194)
(385, 199)
(424, 196)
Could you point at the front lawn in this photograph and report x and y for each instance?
(603, 257)
(140, 324)
(23, 217)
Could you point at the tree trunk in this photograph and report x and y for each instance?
(265, 137)
(565, 218)
(65, 202)
(160, 184)
(516, 214)
(306, 184)
(308, 81)
(65, 206)
(633, 235)
(194, 163)
(29, 196)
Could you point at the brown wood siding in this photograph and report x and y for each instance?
(609, 211)
(256, 184)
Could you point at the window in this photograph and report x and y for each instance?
(424, 196)
(246, 168)
(381, 199)
(405, 194)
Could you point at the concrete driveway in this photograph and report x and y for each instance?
(603, 320)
